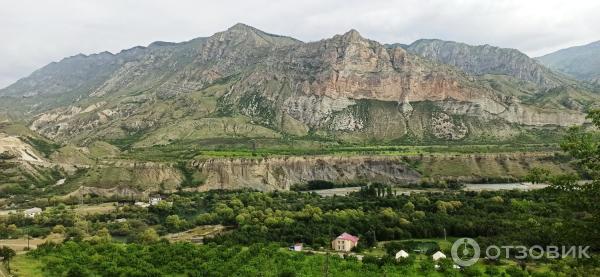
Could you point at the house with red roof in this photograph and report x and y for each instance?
(344, 242)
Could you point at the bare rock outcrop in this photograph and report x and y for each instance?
(281, 173)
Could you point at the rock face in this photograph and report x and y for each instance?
(138, 176)
(581, 62)
(486, 59)
(244, 82)
(20, 162)
(485, 167)
(281, 173)
(15, 148)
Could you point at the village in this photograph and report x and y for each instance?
(402, 232)
(344, 245)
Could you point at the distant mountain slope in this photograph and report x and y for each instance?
(244, 83)
(581, 62)
(75, 78)
(486, 59)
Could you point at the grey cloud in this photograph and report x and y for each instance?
(35, 33)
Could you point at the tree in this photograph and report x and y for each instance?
(149, 236)
(7, 254)
(102, 236)
(174, 223)
(584, 147)
(409, 207)
(58, 229)
(537, 175)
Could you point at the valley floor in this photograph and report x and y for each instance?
(247, 233)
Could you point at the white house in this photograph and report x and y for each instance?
(31, 213)
(401, 254)
(438, 255)
(154, 200)
(296, 247)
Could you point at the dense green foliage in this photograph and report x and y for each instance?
(110, 259)
(507, 217)
(537, 217)
(321, 184)
(183, 150)
(584, 146)
(45, 147)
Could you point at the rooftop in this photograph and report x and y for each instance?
(346, 236)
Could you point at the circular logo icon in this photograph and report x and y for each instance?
(465, 252)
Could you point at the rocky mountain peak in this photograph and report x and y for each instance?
(352, 35)
(241, 27)
(239, 30)
(487, 59)
(242, 33)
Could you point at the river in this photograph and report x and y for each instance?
(468, 187)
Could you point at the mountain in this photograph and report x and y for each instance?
(486, 59)
(581, 62)
(161, 117)
(243, 84)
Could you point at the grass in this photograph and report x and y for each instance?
(377, 251)
(126, 142)
(249, 148)
(198, 232)
(24, 265)
(103, 208)
(21, 243)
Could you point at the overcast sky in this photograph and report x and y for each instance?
(36, 32)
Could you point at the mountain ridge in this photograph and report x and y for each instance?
(249, 83)
(581, 62)
(487, 59)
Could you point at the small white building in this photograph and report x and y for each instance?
(153, 201)
(401, 255)
(296, 247)
(31, 213)
(438, 255)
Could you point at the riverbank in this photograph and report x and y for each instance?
(523, 186)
